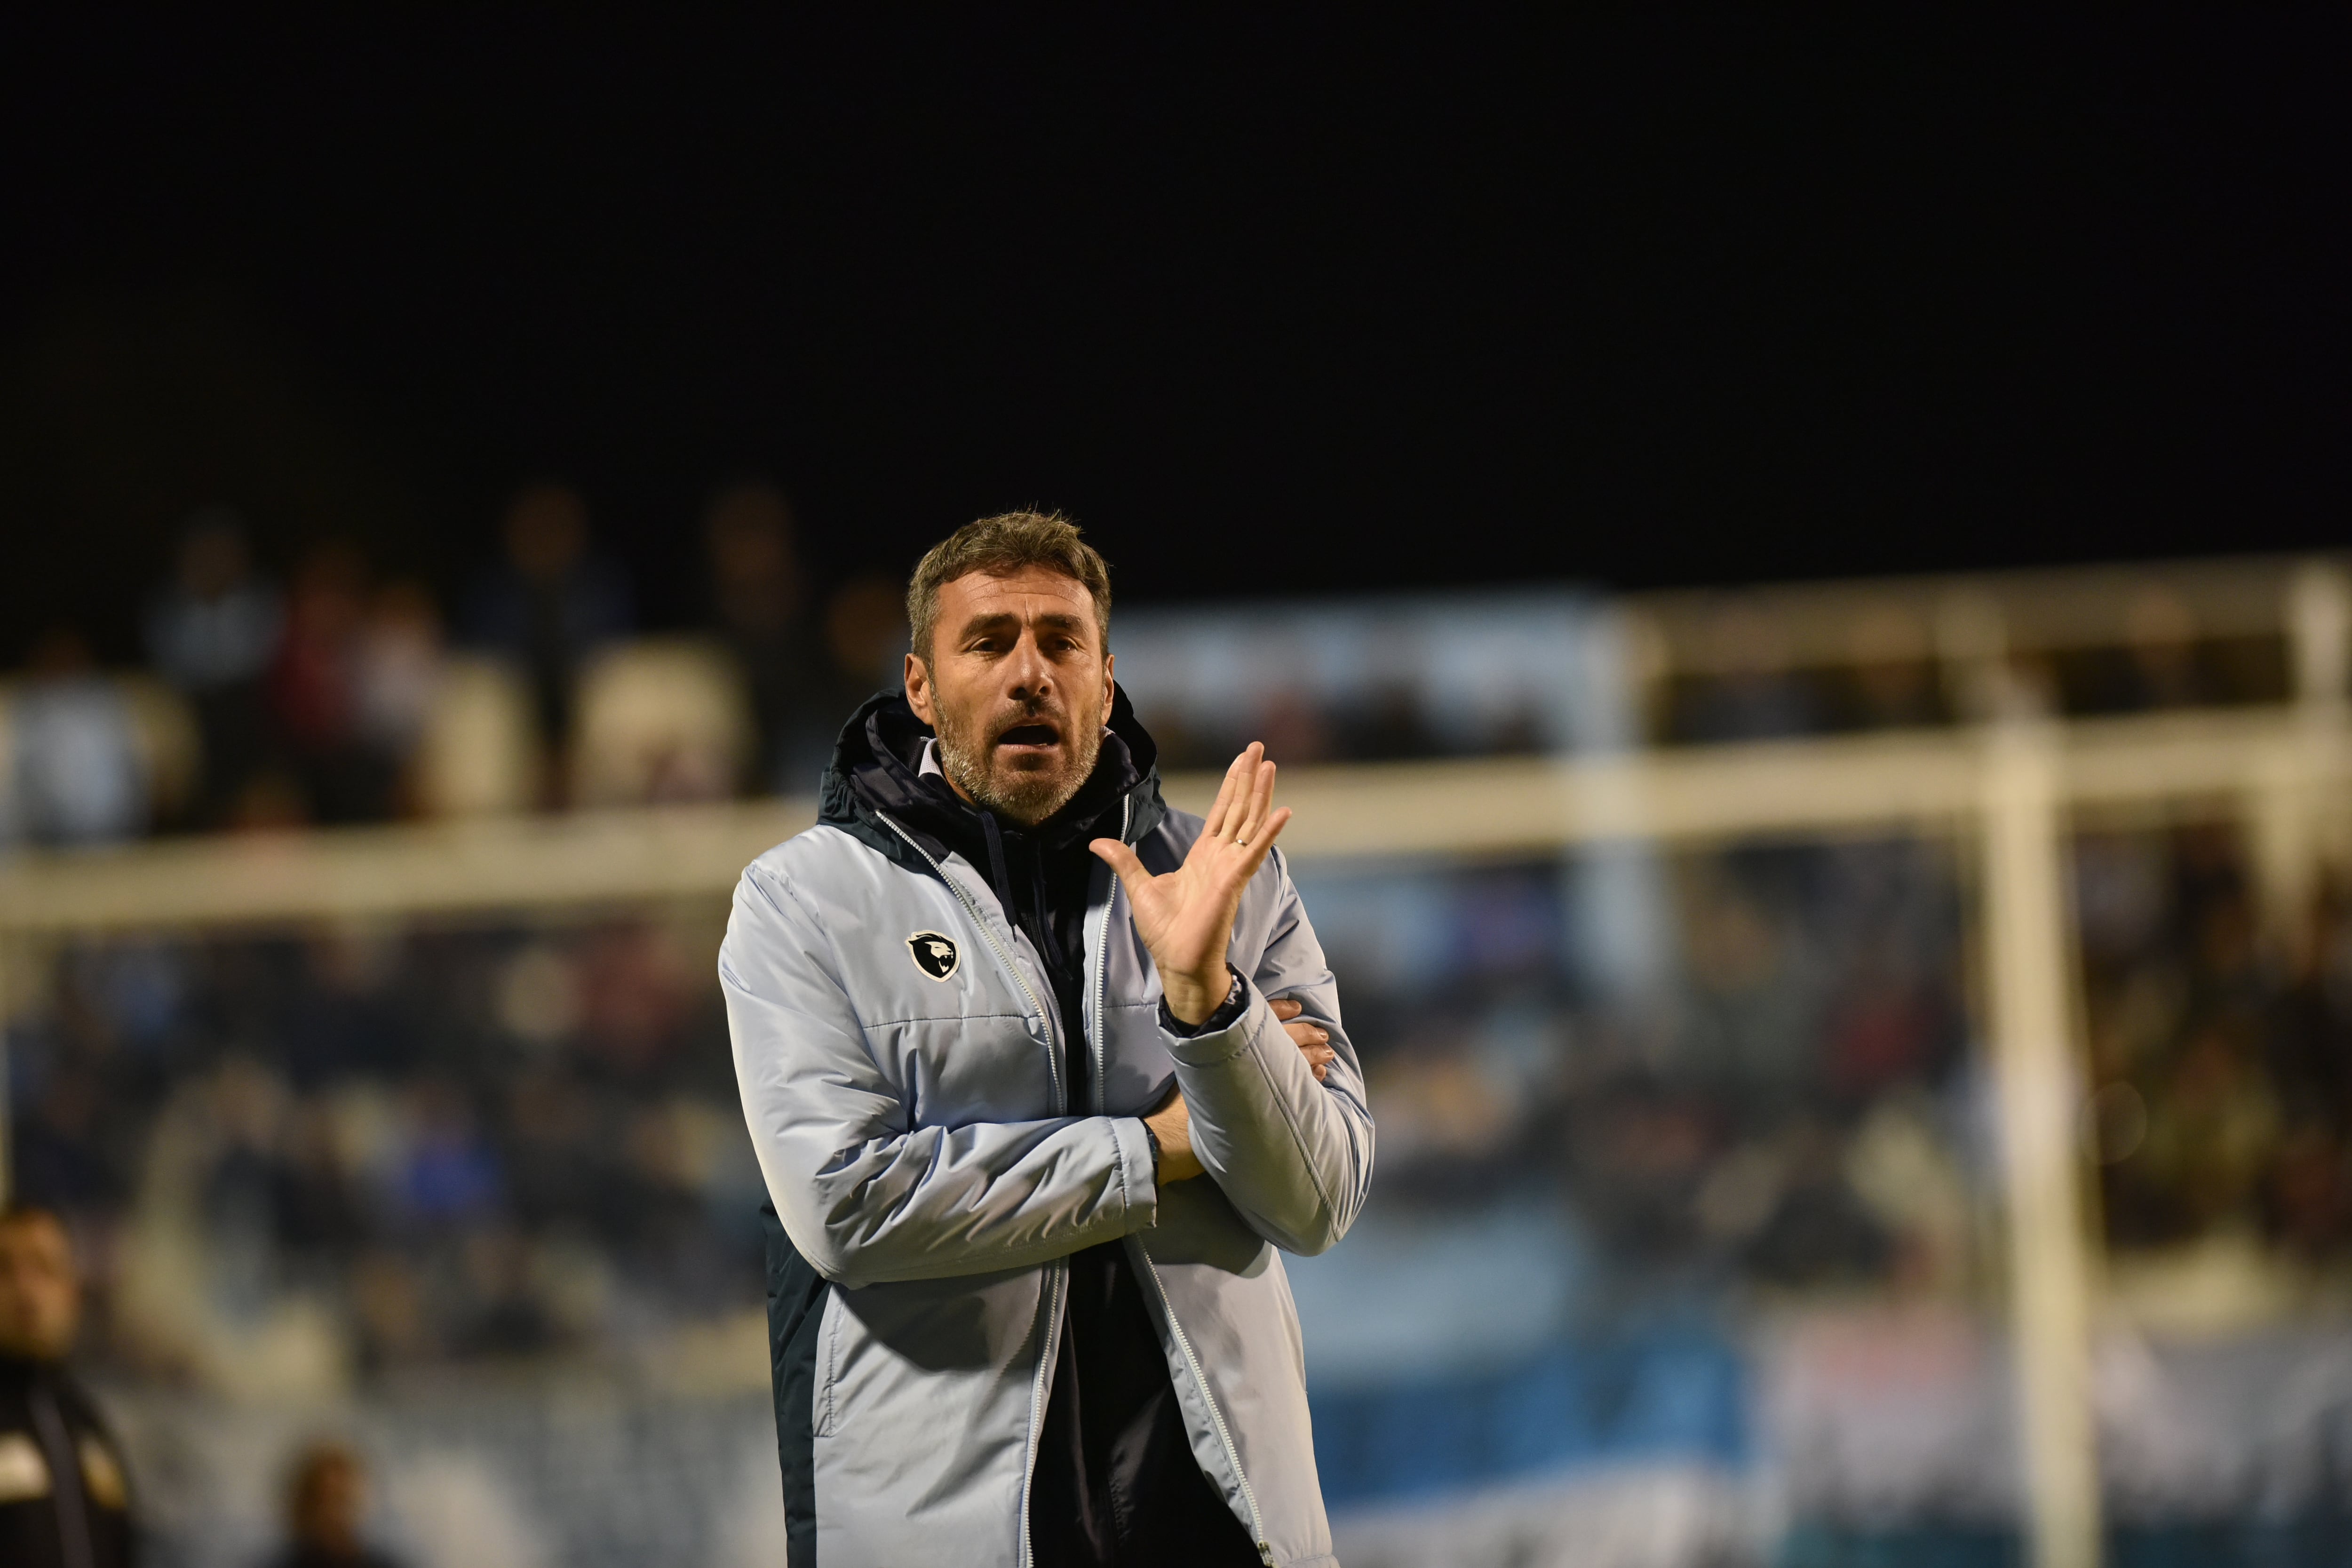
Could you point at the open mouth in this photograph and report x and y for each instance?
(1030, 738)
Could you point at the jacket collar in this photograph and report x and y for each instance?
(876, 770)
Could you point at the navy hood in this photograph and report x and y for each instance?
(876, 771)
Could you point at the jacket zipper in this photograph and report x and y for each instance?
(1183, 1341)
(1216, 1413)
(1102, 963)
(1058, 1271)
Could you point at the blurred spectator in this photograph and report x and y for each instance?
(1291, 723)
(399, 674)
(1893, 671)
(212, 634)
(2166, 670)
(1750, 1031)
(60, 1151)
(1751, 694)
(314, 688)
(64, 1502)
(549, 605)
(2161, 661)
(478, 753)
(865, 634)
(2219, 1100)
(506, 1317)
(450, 1173)
(1389, 726)
(326, 1504)
(760, 598)
(2309, 1195)
(865, 645)
(79, 774)
(660, 718)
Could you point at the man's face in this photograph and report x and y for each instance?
(1018, 688)
(40, 1297)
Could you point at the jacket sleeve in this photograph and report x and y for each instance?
(1292, 1153)
(864, 1196)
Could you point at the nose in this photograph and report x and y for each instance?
(1029, 671)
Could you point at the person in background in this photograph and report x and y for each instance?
(326, 1499)
(64, 1502)
(1891, 664)
(758, 596)
(80, 778)
(549, 607)
(1754, 692)
(864, 640)
(2164, 665)
(313, 686)
(398, 678)
(212, 633)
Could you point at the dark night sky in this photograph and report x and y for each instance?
(1283, 304)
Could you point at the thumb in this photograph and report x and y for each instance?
(1122, 860)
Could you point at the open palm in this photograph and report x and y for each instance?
(1186, 918)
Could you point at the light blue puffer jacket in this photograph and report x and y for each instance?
(930, 1176)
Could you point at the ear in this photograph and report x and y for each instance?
(918, 691)
(1110, 686)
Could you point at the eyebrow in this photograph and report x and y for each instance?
(1053, 620)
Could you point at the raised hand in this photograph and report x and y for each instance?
(1186, 918)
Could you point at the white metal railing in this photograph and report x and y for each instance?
(2013, 789)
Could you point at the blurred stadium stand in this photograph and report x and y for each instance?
(1864, 1071)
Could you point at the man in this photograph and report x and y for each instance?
(63, 1503)
(326, 1503)
(1040, 1075)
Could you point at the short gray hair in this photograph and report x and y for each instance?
(1001, 546)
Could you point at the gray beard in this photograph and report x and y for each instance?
(1027, 798)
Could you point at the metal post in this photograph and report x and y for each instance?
(2028, 949)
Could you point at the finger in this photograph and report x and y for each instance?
(1261, 802)
(1132, 873)
(1303, 1036)
(1246, 766)
(1228, 792)
(1261, 841)
(1286, 1007)
(1244, 775)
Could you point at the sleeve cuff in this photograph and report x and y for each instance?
(1227, 1015)
(1215, 1043)
(1137, 1174)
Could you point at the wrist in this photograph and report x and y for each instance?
(1191, 998)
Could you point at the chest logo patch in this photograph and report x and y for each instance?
(934, 954)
